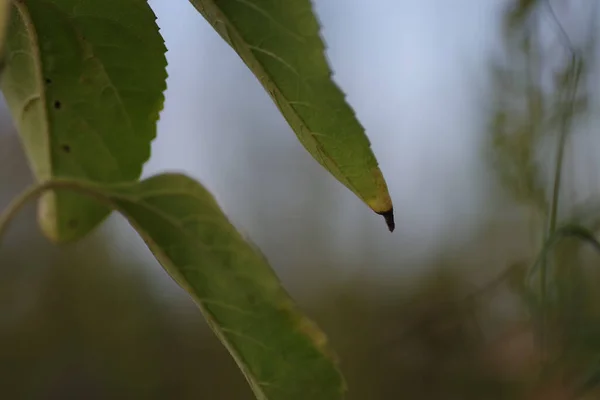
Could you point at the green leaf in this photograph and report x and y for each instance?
(283, 355)
(280, 42)
(4, 15)
(84, 83)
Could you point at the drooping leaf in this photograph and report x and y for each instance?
(280, 42)
(84, 83)
(283, 354)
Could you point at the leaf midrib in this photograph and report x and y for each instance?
(37, 61)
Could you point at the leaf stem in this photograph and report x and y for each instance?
(560, 150)
(37, 190)
(553, 218)
(18, 203)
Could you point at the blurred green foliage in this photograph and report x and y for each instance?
(96, 329)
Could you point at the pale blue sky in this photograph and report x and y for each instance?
(413, 71)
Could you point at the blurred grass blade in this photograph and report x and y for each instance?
(283, 354)
(83, 81)
(280, 42)
(575, 231)
(521, 9)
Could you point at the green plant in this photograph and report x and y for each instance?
(84, 82)
(557, 289)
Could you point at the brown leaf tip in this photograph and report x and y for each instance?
(389, 219)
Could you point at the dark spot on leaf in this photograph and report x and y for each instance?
(48, 80)
(66, 148)
(57, 104)
(389, 219)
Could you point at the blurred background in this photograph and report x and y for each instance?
(444, 90)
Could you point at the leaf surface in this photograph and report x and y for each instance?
(4, 15)
(283, 354)
(280, 42)
(84, 82)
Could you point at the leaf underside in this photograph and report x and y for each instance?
(84, 83)
(280, 42)
(283, 355)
